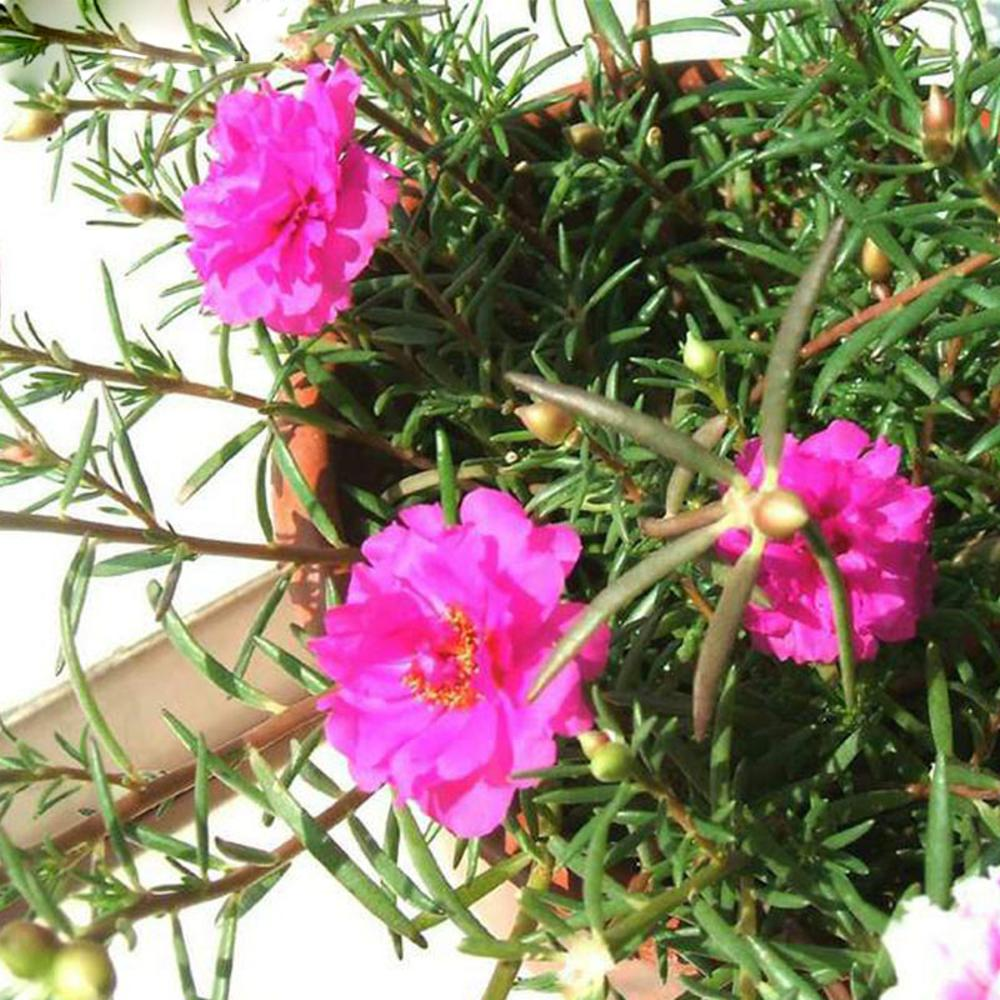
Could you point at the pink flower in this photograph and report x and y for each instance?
(435, 650)
(877, 525)
(949, 954)
(292, 209)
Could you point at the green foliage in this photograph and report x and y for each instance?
(783, 842)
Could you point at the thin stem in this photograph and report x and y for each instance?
(139, 104)
(922, 790)
(36, 775)
(505, 974)
(681, 524)
(845, 328)
(151, 904)
(175, 385)
(340, 559)
(841, 602)
(102, 41)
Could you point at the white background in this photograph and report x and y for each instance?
(307, 939)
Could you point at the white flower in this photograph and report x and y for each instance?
(586, 965)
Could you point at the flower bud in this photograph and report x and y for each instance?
(938, 126)
(139, 205)
(82, 971)
(612, 762)
(300, 50)
(586, 139)
(33, 123)
(585, 967)
(550, 423)
(875, 262)
(19, 453)
(779, 514)
(700, 357)
(27, 949)
(592, 741)
(654, 137)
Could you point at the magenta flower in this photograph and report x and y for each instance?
(292, 209)
(435, 650)
(949, 954)
(878, 527)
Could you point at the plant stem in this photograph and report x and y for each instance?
(846, 327)
(36, 775)
(340, 559)
(139, 104)
(103, 41)
(841, 602)
(150, 904)
(681, 524)
(638, 924)
(505, 974)
(167, 385)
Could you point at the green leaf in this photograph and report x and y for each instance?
(624, 590)
(434, 880)
(480, 887)
(841, 601)
(717, 646)
(987, 442)
(106, 803)
(725, 938)
(606, 23)
(217, 460)
(77, 676)
(300, 486)
(201, 804)
(683, 24)
(117, 329)
(78, 466)
(206, 664)
(25, 880)
(188, 989)
(313, 681)
(127, 451)
(372, 13)
(597, 852)
(227, 946)
(446, 474)
(645, 430)
(938, 703)
(785, 353)
(940, 850)
(326, 851)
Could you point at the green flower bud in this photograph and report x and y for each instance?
(27, 949)
(82, 971)
(33, 123)
(779, 514)
(700, 357)
(586, 139)
(592, 741)
(612, 762)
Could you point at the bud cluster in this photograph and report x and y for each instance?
(78, 970)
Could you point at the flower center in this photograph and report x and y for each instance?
(455, 689)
